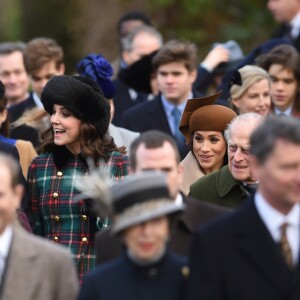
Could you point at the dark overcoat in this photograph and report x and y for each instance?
(219, 188)
(124, 279)
(236, 258)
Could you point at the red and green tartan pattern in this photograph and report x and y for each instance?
(59, 216)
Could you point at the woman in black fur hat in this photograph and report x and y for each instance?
(79, 116)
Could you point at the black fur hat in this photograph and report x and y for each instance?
(81, 96)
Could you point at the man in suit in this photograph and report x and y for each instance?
(283, 65)
(175, 67)
(253, 253)
(155, 150)
(30, 268)
(141, 41)
(233, 183)
(288, 14)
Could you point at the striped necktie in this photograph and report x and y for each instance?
(180, 139)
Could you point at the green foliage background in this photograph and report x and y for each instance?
(84, 26)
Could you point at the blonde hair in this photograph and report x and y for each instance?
(249, 75)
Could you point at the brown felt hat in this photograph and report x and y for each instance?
(202, 114)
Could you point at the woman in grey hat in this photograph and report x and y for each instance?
(203, 124)
(79, 116)
(142, 211)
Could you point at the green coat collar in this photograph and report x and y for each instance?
(225, 181)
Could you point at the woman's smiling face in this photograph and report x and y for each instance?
(66, 128)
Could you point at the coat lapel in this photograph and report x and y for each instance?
(158, 116)
(257, 245)
(20, 277)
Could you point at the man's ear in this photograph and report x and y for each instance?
(19, 192)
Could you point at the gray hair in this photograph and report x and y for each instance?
(274, 128)
(127, 41)
(10, 47)
(250, 118)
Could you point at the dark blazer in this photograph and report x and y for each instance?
(236, 258)
(280, 33)
(197, 213)
(122, 101)
(219, 188)
(147, 116)
(123, 279)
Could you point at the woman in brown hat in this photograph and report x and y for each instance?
(250, 90)
(203, 124)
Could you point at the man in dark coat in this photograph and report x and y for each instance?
(175, 66)
(233, 183)
(155, 150)
(288, 14)
(253, 253)
(142, 41)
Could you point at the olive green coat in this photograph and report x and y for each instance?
(219, 188)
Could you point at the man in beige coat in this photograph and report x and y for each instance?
(30, 268)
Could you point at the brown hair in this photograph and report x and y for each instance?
(40, 51)
(177, 51)
(288, 57)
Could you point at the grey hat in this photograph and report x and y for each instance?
(141, 197)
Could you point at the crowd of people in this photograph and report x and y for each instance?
(154, 176)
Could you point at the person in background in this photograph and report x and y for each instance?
(203, 125)
(96, 67)
(233, 183)
(16, 82)
(253, 253)
(283, 65)
(287, 13)
(142, 213)
(141, 41)
(127, 23)
(79, 116)
(175, 68)
(250, 90)
(25, 148)
(43, 59)
(31, 268)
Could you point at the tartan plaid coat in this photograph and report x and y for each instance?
(57, 216)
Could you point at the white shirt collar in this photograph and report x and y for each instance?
(287, 112)
(272, 218)
(5, 241)
(295, 24)
(37, 100)
(179, 199)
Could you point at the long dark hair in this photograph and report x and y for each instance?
(91, 145)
